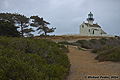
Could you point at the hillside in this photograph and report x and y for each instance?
(107, 49)
(43, 59)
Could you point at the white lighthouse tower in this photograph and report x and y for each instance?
(90, 18)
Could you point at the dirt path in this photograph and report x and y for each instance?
(83, 65)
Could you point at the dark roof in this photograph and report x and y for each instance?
(103, 32)
(94, 25)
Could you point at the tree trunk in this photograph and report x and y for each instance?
(45, 33)
(22, 29)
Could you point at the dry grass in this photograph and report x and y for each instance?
(68, 38)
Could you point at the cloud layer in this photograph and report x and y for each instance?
(67, 15)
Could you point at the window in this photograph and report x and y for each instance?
(93, 31)
(82, 26)
(89, 30)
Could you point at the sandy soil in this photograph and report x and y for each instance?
(84, 66)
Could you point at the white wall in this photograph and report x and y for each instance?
(90, 22)
(96, 30)
(83, 30)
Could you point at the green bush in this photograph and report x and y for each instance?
(81, 41)
(103, 48)
(102, 41)
(93, 41)
(110, 54)
(32, 59)
(118, 37)
(85, 46)
(65, 42)
(79, 48)
(111, 38)
(95, 50)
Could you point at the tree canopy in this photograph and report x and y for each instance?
(8, 29)
(18, 20)
(41, 25)
(22, 21)
(25, 25)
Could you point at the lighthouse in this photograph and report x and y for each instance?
(90, 18)
(91, 29)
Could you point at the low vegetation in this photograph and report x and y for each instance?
(97, 43)
(102, 41)
(65, 42)
(106, 49)
(93, 41)
(85, 46)
(118, 37)
(108, 53)
(28, 59)
(81, 41)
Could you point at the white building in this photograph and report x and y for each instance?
(91, 29)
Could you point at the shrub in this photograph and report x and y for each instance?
(103, 48)
(72, 37)
(65, 42)
(81, 41)
(63, 48)
(32, 59)
(110, 54)
(85, 46)
(64, 37)
(79, 48)
(118, 37)
(93, 41)
(111, 38)
(102, 41)
(95, 50)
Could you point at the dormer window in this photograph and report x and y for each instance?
(82, 26)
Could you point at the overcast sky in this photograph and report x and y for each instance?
(67, 15)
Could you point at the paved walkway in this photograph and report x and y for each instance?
(84, 65)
